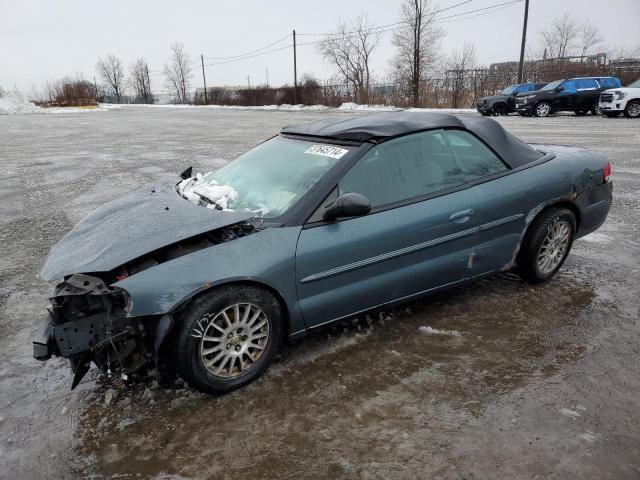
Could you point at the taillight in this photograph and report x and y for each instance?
(606, 171)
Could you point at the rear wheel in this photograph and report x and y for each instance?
(228, 338)
(546, 244)
(543, 109)
(580, 111)
(632, 110)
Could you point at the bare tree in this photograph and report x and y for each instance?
(416, 41)
(349, 50)
(111, 71)
(177, 71)
(458, 66)
(139, 80)
(589, 37)
(560, 37)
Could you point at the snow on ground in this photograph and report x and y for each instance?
(434, 331)
(345, 107)
(15, 103)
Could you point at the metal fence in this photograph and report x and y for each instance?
(451, 89)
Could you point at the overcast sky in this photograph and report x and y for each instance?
(44, 39)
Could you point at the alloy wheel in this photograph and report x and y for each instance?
(233, 340)
(554, 247)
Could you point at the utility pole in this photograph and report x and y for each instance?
(204, 79)
(249, 82)
(524, 40)
(266, 71)
(295, 71)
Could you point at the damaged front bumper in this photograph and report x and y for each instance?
(44, 341)
(88, 322)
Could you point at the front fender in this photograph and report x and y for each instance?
(266, 257)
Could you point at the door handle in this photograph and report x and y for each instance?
(462, 216)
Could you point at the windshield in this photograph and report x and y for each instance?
(635, 84)
(266, 180)
(509, 90)
(552, 85)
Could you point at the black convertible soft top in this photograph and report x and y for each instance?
(381, 127)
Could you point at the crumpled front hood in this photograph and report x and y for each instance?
(144, 220)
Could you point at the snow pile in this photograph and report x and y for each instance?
(433, 331)
(350, 107)
(207, 193)
(15, 103)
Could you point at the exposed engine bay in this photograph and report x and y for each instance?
(89, 319)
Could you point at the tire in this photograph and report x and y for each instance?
(499, 109)
(581, 111)
(486, 114)
(550, 222)
(543, 109)
(595, 110)
(204, 319)
(632, 110)
(612, 114)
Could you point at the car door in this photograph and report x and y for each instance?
(587, 93)
(418, 236)
(501, 203)
(565, 100)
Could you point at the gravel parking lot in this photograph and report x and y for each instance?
(522, 382)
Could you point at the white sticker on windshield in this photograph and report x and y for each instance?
(327, 151)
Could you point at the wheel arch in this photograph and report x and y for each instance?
(250, 282)
(572, 207)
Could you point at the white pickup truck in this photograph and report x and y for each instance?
(625, 100)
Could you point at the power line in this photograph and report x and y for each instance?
(252, 51)
(379, 29)
(385, 26)
(247, 57)
(398, 25)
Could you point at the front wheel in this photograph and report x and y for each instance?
(632, 110)
(228, 338)
(546, 244)
(499, 109)
(543, 109)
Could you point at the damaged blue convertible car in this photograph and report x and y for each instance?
(210, 273)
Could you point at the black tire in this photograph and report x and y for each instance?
(499, 109)
(595, 110)
(612, 114)
(543, 109)
(486, 114)
(632, 110)
(581, 111)
(198, 319)
(527, 261)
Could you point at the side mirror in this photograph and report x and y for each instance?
(346, 205)
(559, 88)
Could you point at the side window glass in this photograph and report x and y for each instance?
(587, 84)
(472, 158)
(569, 87)
(419, 164)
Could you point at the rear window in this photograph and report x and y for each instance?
(609, 82)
